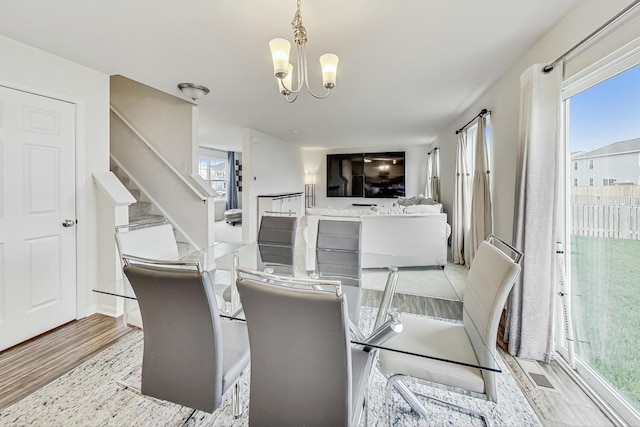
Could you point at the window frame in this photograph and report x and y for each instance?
(211, 181)
(615, 63)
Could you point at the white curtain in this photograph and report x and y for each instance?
(530, 306)
(481, 209)
(427, 188)
(461, 222)
(435, 175)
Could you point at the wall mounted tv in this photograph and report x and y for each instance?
(374, 175)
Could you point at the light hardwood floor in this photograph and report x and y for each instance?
(33, 364)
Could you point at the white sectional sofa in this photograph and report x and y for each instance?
(408, 236)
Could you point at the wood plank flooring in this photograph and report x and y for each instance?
(566, 405)
(32, 364)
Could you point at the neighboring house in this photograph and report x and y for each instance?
(613, 164)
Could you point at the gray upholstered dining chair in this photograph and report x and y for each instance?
(304, 370)
(191, 356)
(338, 248)
(338, 257)
(491, 277)
(278, 230)
(276, 259)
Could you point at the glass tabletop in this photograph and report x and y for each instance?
(377, 298)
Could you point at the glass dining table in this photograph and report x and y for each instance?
(377, 298)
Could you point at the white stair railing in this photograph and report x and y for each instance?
(177, 173)
(174, 194)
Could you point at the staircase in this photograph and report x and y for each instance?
(144, 210)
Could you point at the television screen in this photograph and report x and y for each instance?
(375, 175)
(384, 175)
(345, 175)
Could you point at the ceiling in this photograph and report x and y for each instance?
(407, 69)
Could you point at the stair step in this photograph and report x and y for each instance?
(184, 248)
(139, 208)
(147, 217)
(135, 193)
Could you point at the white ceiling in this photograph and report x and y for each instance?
(407, 68)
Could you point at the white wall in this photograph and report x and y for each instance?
(503, 99)
(26, 68)
(166, 121)
(212, 153)
(269, 166)
(315, 162)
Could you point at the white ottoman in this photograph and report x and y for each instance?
(233, 216)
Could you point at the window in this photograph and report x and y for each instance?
(575, 166)
(575, 182)
(214, 171)
(601, 119)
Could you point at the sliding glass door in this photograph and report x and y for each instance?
(602, 228)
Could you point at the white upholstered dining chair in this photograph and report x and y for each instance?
(473, 342)
(152, 239)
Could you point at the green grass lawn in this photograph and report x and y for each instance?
(606, 309)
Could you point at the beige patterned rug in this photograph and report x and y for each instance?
(89, 396)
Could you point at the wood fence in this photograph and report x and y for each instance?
(605, 216)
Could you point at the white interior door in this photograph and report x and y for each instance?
(37, 197)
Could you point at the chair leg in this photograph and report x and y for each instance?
(236, 404)
(394, 382)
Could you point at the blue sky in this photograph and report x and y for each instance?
(606, 113)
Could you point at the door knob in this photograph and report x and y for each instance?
(68, 223)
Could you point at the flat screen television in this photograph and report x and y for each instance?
(372, 175)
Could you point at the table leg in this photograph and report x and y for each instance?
(387, 297)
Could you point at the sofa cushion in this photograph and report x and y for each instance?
(423, 209)
(340, 211)
(388, 210)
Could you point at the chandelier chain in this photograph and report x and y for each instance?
(299, 31)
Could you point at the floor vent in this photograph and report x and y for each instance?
(537, 375)
(540, 380)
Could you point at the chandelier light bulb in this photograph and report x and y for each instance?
(329, 64)
(285, 84)
(280, 53)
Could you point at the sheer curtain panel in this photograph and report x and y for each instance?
(432, 189)
(461, 222)
(481, 208)
(530, 307)
(427, 188)
(435, 175)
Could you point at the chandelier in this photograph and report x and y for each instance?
(283, 70)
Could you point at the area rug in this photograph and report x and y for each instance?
(430, 282)
(90, 396)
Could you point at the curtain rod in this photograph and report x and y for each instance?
(480, 114)
(549, 67)
(435, 149)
